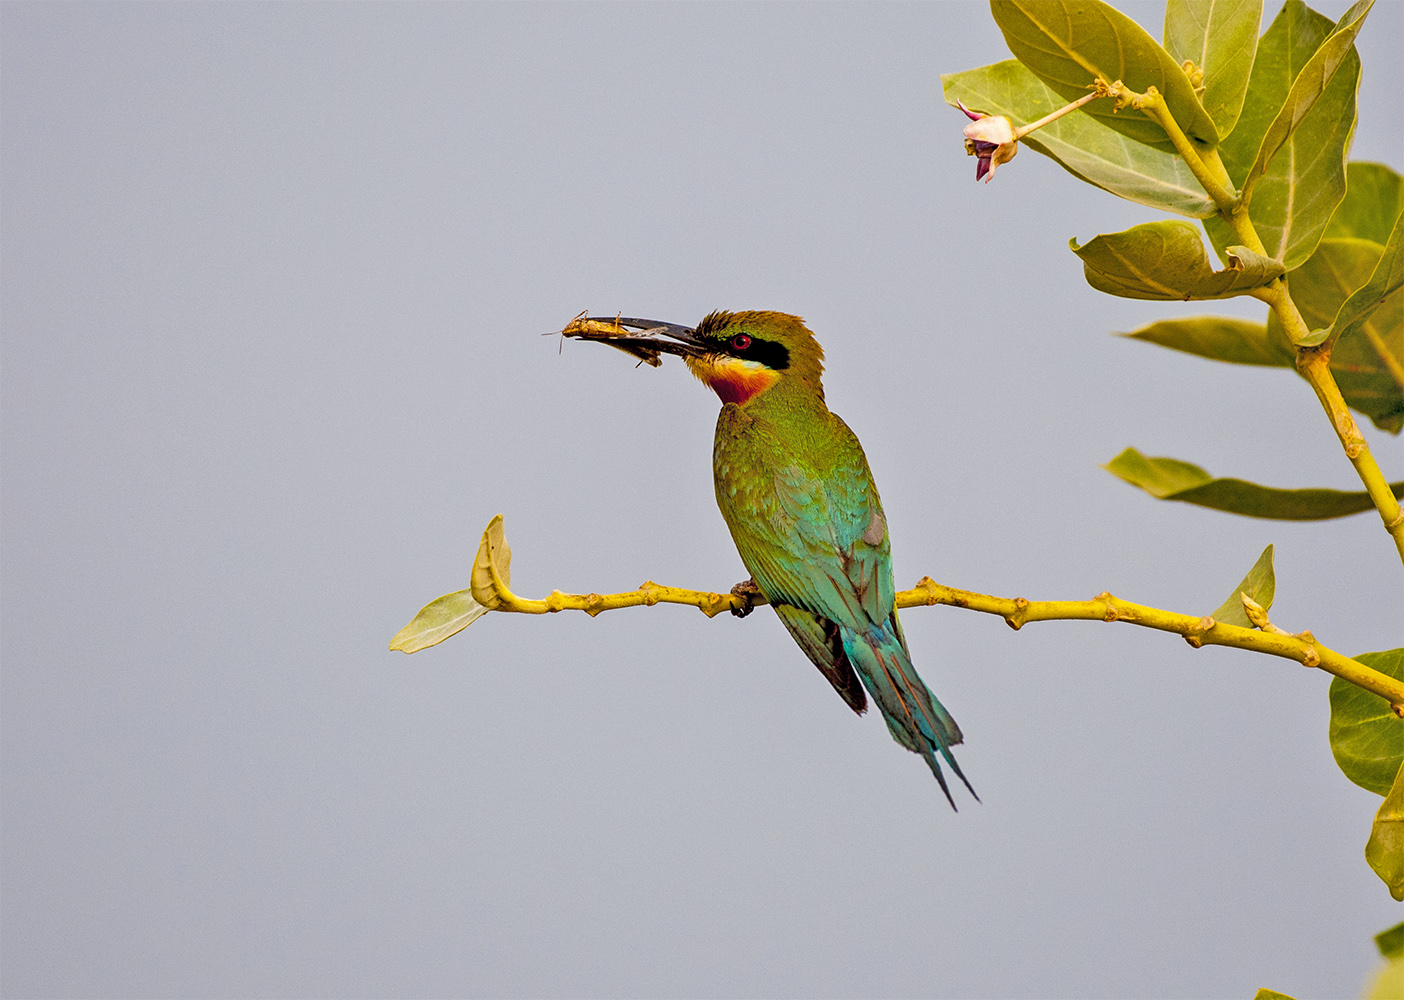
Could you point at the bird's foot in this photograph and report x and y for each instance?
(748, 592)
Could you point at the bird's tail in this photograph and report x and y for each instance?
(915, 718)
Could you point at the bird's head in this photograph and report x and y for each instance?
(739, 355)
(747, 354)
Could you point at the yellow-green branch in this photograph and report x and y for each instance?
(492, 568)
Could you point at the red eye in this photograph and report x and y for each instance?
(740, 342)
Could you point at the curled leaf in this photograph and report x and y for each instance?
(492, 567)
(1165, 261)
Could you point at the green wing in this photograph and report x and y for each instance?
(807, 520)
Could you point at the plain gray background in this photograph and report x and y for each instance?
(274, 279)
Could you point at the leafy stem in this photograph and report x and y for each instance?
(1315, 364)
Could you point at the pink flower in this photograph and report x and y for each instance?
(991, 138)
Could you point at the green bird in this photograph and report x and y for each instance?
(796, 491)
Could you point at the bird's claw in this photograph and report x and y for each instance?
(748, 592)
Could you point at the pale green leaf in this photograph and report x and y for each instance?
(1069, 44)
(1367, 739)
(1171, 479)
(1321, 285)
(1305, 78)
(1375, 309)
(1374, 196)
(1333, 55)
(1220, 338)
(1078, 142)
(1260, 584)
(1370, 350)
(1385, 849)
(1266, 994)
(1166, 260)
(1220, 38)
(1285, 48)
(440, 618)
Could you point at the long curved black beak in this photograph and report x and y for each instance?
(645, 339)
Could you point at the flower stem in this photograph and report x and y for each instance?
(1053, 116)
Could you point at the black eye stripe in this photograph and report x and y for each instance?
(770, 353)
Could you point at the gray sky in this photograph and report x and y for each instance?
(274, 278)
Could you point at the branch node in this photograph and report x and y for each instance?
(1398, 710)
(1194, 640)
(555, 601)
(1111, 614)
(594, 604)
(931, 589)
(649, 589)
(1018, 619)
(712, 605)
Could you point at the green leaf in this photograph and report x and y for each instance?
(1367, 739)
(1078, 142)
(1385, 849)
(1290, 144)
(1166, 260)
(1266, 994)
(1391, 942)
(1260, 584)
(1332, 292)
(1310, 85)
(1171, 479)
(1289, 42)
(1220, 338)
(1379, 298)
(437, 620)
(1321, 285)
(1069, 44)
(1220, 37)
(1374, 196)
